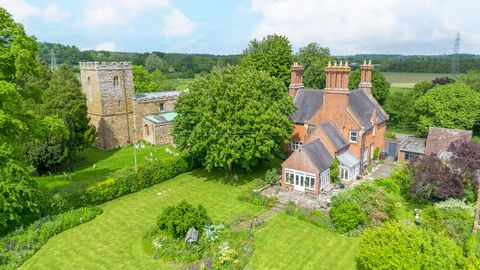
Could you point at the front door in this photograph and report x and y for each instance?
(392, 149)
(299, 183)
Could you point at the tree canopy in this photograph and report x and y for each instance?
(272, 54)
(154, 62)
(380, 86)
(146, 82)
(472, 79)
(450, 106)
(233, 118)
(315, 59)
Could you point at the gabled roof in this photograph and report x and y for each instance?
(439, 139)
(363, 106)
(318, 154)
(308, 102)
(337, 139)
(157, 95)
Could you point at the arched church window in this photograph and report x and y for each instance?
(147, 130)
(115, 81)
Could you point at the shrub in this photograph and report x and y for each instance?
(376, 154)
(271, 176)
(178, 219)
(126, 181)
(315, 217)
(257, 199)
(388, 184)
(335, 171)
(212, 232)
(18, 246)
(400, 246)
(347, 215)
(403, 178)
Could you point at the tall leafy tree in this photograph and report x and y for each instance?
(315, 59)
(400, 107)
(380, 86)
(450, 106)
(154, 62)
(149, 82)
(233, 118)
(272, 54)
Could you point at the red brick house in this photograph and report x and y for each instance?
(332, 122)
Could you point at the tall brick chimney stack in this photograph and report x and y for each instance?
(366, 71)
(337, 77)
(296, 82)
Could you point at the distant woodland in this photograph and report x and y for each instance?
(182, 65)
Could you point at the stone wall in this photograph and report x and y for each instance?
(150, 106)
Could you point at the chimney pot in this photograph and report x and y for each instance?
(364, 61)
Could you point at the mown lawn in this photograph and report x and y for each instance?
(287, 242)
(180, 84)
(106, 163)
(113, 240)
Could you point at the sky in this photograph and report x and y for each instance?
(226, 26)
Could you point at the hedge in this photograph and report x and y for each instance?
(20, 245)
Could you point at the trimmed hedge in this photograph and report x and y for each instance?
(126, 181)
(20, 245)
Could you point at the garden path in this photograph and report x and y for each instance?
(261, 218)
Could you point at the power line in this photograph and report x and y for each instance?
(455, 56)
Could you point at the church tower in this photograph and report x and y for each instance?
(108, 87)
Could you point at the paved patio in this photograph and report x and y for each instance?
(322, 201)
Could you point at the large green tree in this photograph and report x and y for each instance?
(380, 86)
(315, 59)
(272, 54)
(154, 62)
(450, 106)
(233, 118)
(400, 107)
(146, 82)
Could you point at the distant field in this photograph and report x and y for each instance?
(408, 80)
(180, 84)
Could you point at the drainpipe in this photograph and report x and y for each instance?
(362, 149)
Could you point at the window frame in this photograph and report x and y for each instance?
(115, 81)
(350, 136)
(295, 145)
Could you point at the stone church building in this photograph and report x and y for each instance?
(121, 116)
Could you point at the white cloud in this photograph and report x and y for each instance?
(370, 26)
(106, 46)
(176, 24)
(108, 13)
(21, 10)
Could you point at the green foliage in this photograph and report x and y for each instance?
(376, 154)
(19, 196)
(257, 199)
(422, 87)
(400, 107)
(271, 176)
(272, 54)
(20, 245)
(146, 82)
(315, 217)
(315, 59)
(380, 86)
(388, 184)
(126, 181)
(449, 106)
(18, 51)
(472, 79)
(335, 171)
(178, 219)
(400, 246)
(346, 216)
(403, 178)
(233, 118)
(153, 62)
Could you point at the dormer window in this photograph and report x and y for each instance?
(353, 136)
(115, 81)
(295, 145)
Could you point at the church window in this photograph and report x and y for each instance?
(115, 81)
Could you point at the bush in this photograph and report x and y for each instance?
(126, 181)
(376, 154)
(400, 246)
(18, 246)
(271, 176)
(347, 215)
(388, 184)
(335, 171)
(178, 219)
(403, 178)
(256, 198)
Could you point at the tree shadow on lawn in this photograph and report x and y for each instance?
(237, 177)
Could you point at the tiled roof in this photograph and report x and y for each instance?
(308, 102)
(318, 154)
(155, 95)
(337, 139)
(439, 139)
(363, 106)
(413, 145)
